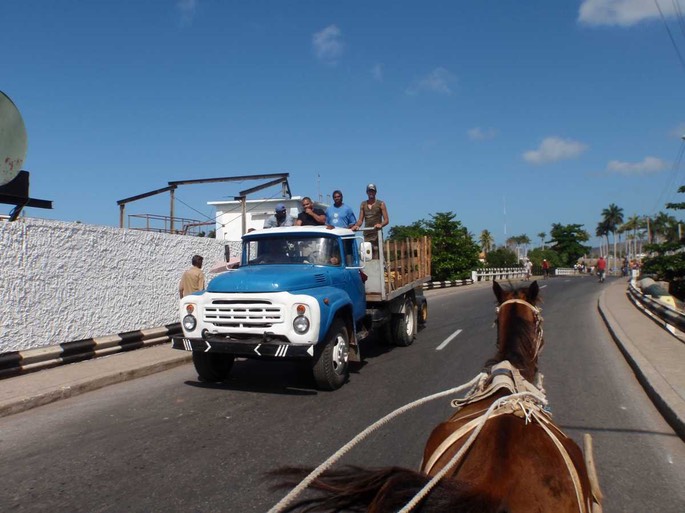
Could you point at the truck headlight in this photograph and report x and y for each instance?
(189, 323)
(301, 325)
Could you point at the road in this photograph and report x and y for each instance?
(167, 443)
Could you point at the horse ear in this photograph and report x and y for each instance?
(533, 291)
(497, 290)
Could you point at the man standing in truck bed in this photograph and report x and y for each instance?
(372, 214)
(339, 215)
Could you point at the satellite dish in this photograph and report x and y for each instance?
(13, 141)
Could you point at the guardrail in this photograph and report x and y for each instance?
(14, 363)
(670, 318)
(497, 274)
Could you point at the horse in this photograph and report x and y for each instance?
(499, 452)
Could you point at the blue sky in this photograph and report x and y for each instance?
(513, 115)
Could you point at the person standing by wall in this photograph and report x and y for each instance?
(193, 280)
(372, 214)
(339, 215)
(310, 216)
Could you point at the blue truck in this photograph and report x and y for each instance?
(306, 293)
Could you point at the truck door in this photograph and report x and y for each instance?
(354, 284)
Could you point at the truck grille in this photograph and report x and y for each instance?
(243, 314)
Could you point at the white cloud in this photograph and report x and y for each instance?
(623, 13)
(648, 165)
(553, 149)
(437, 81)
(480, 134)
(187, 8)
(328, 45)
(377, 72)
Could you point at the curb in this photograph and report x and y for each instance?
(658, 390)
(88, 384)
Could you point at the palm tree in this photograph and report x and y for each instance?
(602, 232)
(613, 217)
(542, 236)
(486, 241)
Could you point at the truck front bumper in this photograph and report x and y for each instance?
(248, 348)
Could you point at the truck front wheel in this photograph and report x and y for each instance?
(331, 361)
(213, 367)
(403, 326)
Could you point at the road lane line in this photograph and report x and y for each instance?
(448, 340)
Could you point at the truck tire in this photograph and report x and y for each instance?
(404, 325)
(213, 367)
(331, 361)
(422, 305)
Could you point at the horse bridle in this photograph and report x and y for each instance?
(539, 341)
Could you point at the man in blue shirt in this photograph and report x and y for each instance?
(339, 215)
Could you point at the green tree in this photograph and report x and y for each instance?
(486, 241)
(667, 260)
(602, 231)
(613, 217)
(501, 257)
(455, 253)
(567, 242)
(542, 236)
(538, 254)
(415, 230)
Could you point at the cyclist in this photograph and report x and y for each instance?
(601, 268)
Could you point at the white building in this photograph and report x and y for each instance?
(229, 214)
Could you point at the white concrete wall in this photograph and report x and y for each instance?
(68, 281)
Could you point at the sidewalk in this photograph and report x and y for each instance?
(656, 356)
(28, 391)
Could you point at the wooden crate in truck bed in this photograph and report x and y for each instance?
(401, 266)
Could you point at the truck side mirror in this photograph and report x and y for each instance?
(366, 250)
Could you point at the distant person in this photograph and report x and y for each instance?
(339, 215)
(192, 280)
(372, 214)
(310, 215)
(528, 266)
(280, 218)
(601, 268)
(545, 268)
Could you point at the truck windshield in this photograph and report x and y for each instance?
(293, 250)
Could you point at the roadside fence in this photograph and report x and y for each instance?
(488, 274)
(671, 319)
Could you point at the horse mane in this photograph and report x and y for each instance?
(384, 490)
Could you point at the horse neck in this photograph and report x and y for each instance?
(517, 343)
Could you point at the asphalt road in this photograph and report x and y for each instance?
(168, 443)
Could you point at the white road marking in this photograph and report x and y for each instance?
(448, 340)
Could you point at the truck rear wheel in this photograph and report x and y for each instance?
(331, 363)
(404, 325)
(213, 367)
(422, 305)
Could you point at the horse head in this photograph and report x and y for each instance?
(519, 327)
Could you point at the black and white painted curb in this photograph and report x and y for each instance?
(669, 318)
(14, 363)
(445, 284)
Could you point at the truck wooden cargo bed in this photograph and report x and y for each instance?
(401, 266)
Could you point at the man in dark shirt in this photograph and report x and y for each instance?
(310, 216)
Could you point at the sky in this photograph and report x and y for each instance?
(512, 115)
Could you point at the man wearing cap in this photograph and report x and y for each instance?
(372, 214)
(280, 218)
(192, 280)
